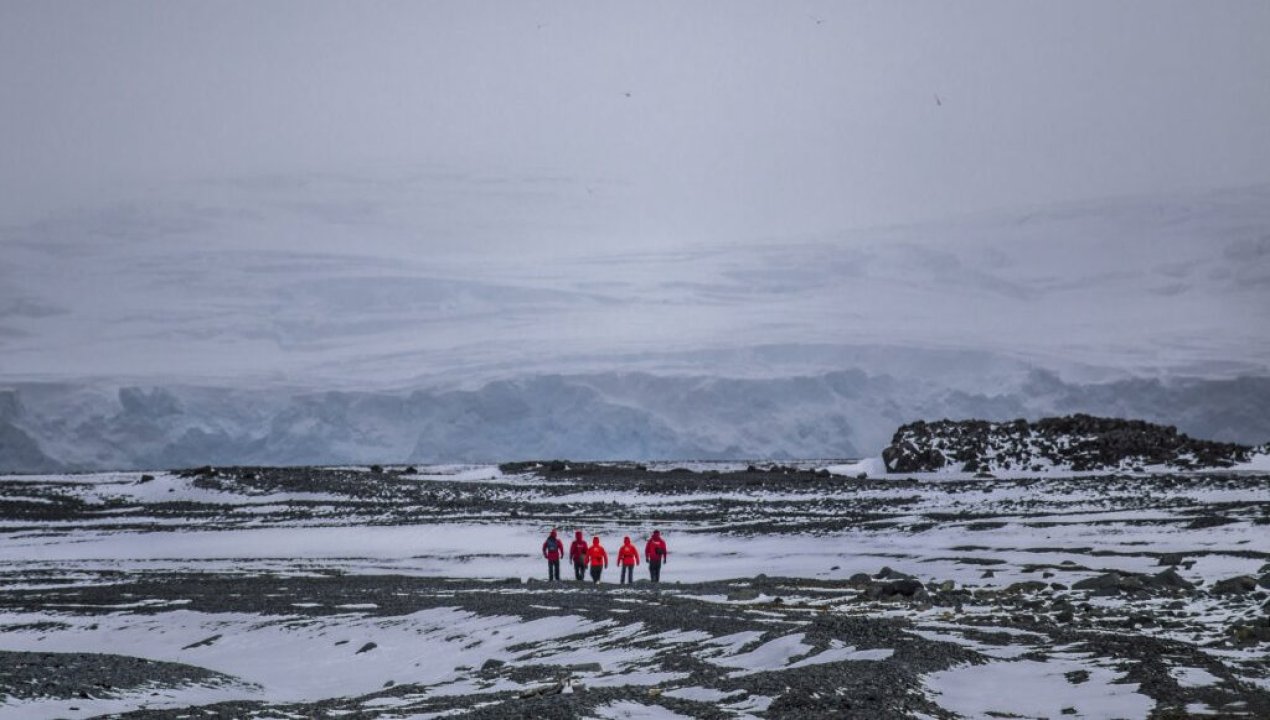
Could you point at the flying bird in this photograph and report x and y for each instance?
(938, 102)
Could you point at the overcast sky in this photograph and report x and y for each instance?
(368, 191)
(686, 121)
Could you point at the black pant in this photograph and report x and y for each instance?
(628, 574)
(595, 572)
(553, 569)
(654, 571)
(579, 569)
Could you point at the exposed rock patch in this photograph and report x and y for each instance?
(1078, 443)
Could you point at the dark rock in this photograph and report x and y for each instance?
(1235, 586)
(1258, 631)
(1027, 586)
(1209, 521)
(1079, 442)
(145, 479)
(366, 648)
(886, 573)
(552, 689)
(1076, 677)
(1111, 583)
(202, 643)
(1170, 580)
(896, 590)
(492, 664)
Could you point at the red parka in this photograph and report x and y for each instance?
(552, 548)
(627, 554)
(577, 551)
(655, 551)
(596, 555)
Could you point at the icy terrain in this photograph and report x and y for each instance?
(632, 416)
(180, 342)
(791, 591)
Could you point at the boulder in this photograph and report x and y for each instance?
(887, 573)
(1238, 585)
(1169, 579)
(1256, 631)
(552, 689)
(1112, 583)
(896, 590)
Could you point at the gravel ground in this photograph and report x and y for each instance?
(1149, 628)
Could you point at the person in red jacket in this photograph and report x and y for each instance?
(553, 549)
(655, 553)
(577, 554)
(597, 558)
(627, 559)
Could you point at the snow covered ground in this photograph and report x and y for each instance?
(336, 592)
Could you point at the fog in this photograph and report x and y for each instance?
(152, 150)
(297, 232)
(652, 124)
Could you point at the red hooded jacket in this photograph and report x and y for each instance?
(627, 554)
(552, 548)
(577, 551)
(596, 554)
(655, 550)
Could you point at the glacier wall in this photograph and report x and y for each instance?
(633, 416)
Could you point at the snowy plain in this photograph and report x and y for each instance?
(113, 576)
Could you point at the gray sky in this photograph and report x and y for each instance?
(367, 191)
(683, 121)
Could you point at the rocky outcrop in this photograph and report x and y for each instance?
(1075, 442)
(1127, 583)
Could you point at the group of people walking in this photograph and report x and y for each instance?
(595, 557)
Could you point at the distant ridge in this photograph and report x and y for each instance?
(1074, 442)
(605, 416)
